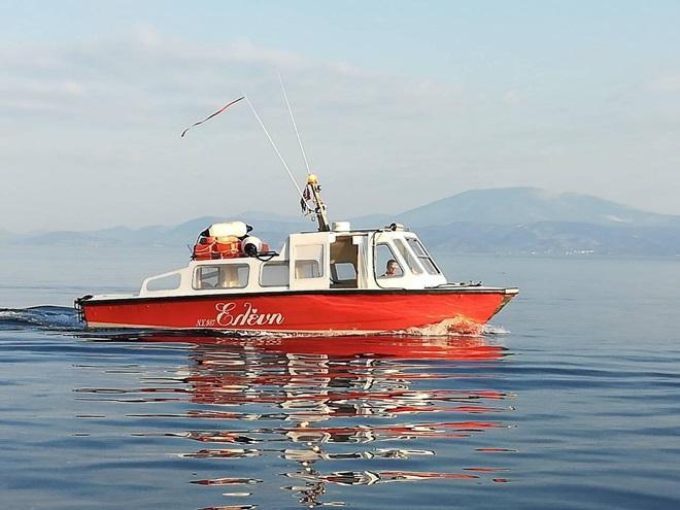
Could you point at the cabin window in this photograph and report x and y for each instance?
(343, 274)
(274, 274)
(345, 271)
(422, 255)
(408, 256)
(168, 282)
(309, 261)
(307, 269)
(384, 257)
(224, 276)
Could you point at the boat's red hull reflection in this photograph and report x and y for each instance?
(455, 348)
(340, 411)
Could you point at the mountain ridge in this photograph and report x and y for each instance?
(529, 205)
(522, 220)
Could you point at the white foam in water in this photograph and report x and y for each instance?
(44, 316)
(490, 329)
(454, 326)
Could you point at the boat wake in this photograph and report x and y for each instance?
(491, 330)
(455, 326)
(43, 317)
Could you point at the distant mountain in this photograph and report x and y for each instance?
(503, 220)
(511, 206)
(273, 231)
(65, 237)
(372, 221)
(534, 221)
(553, 238)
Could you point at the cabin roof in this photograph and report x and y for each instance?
(361, 231)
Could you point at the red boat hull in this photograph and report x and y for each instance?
(337, 312)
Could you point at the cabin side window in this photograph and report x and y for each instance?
(232, 276)
(309, 261)
(422, 255)
(345, 274)
(168, 282)
(386, 265)
(307, 269)
(274, 274)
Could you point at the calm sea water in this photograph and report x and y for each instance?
(571, 400)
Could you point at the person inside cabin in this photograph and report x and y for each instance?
(392, 269)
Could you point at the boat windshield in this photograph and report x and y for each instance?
(424, 257)
(409, 257)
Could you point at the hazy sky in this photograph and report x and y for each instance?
(399, 104)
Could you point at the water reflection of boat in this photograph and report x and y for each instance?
(458, 348)
(363, 403)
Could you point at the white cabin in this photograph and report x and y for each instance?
(311, 261)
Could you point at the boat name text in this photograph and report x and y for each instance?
(231, 315)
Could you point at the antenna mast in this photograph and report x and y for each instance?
(313, 189)
(320, 210)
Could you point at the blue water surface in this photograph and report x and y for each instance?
(570, 400)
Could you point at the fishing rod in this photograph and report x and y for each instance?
(266, 132)
(271, 141)
(312, 189)
(292, 117)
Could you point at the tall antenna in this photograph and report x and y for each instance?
(290, 110)
(312, 189)
(290, 174)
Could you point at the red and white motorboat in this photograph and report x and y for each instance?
(330, 282)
